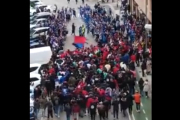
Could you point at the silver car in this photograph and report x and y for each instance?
(40, 15)
(42, 31)
(38, 23)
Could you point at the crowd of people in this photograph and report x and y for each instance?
(99, 76)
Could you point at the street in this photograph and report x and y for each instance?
(146, 103)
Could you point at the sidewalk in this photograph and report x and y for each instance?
(148, 77)
(145, 103)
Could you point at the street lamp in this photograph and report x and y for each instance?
(148, 28)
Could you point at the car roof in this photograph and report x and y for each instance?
(35, 65)
(41, 5)
(31, 25)
(41, 19)
(41, 28)
(31, 102)
(43, 13)
(35, 75)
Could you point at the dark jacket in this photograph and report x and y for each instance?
(68, 110)
(130, 100)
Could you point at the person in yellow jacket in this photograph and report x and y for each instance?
(83, 30)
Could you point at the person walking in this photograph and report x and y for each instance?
(124, 104)
(146, 88)
(56, 105)
(115, 105)
(74, 12)
(43, 102)
(68, 1)
(101, 111)
(130, 103)
(92, 110)
(76, 1)
(76, 110)
(137, 100)
(82, 1)
(83, 30)
(68, 111)
(73, 29)
(36, 107)
(143, 67)
(141, 86)
(50, 109)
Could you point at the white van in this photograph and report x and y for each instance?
(40, 55)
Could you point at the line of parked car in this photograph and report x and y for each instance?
(39, 14)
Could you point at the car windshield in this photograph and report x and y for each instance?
(34, 22)
(31, 31)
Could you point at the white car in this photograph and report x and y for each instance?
(35, 68)
(49, 8)
(37, 23)
(35, 80)
(32, 92)
(39, 32)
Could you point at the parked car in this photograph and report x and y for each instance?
(40, 15)
(35, 68)
(32, 92)
(49, 8)
(36, 44)
(32, 117)
(35, 80)
(32, 11)
(42, 31)
(33, 3)
(38, 23)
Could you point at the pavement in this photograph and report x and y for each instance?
(146, 103)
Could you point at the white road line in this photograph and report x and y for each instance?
(141, 104)
(144, 111)
(128, 115)
(133, 116)
(146, 118)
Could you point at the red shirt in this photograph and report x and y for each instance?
(51, 70)
(101, 92)
(133, 58)
(76, 109)
(115, 69)
(84, 92)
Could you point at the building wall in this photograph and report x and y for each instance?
(145, 7)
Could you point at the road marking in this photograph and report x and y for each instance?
(141, 104)
(144, 111)
(146, 118)
(133, 116)
(128, 115)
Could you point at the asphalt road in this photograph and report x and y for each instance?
(77, 21)
(70, 38)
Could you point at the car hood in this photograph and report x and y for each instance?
(32, 10)
(32, 25)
